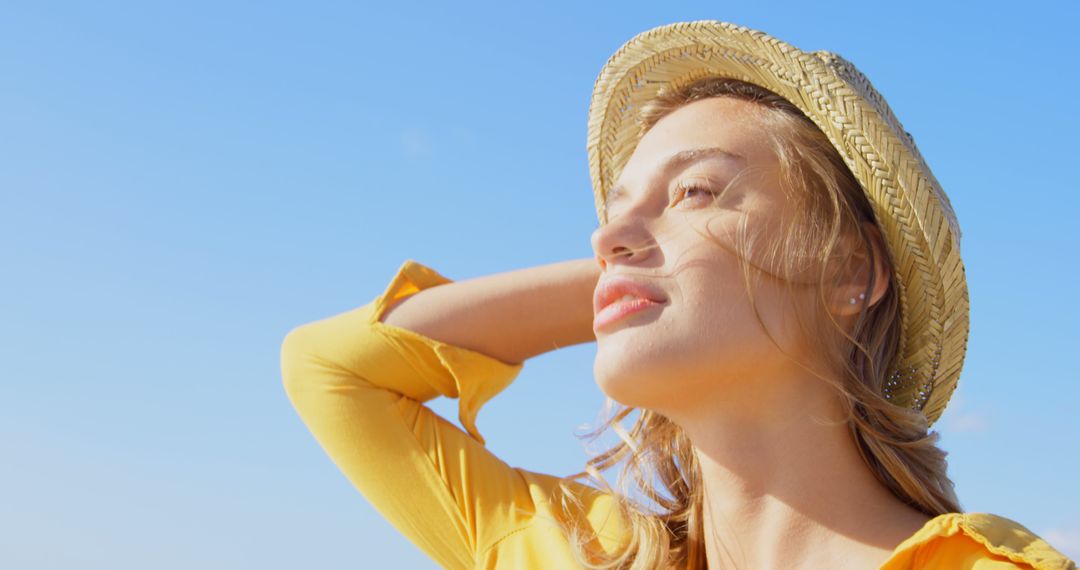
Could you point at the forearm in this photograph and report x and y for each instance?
(511, 316)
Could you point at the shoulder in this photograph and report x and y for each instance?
(1006, 537)
(555, 506)
(978, 541)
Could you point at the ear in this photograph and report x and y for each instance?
(854, 283)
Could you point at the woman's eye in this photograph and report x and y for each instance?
(690, 191)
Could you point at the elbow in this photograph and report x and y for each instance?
(295, 350)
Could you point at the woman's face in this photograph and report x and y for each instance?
(701, 345)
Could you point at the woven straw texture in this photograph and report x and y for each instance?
(915, 216)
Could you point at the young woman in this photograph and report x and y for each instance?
(776, 288)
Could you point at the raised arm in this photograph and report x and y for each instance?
(359, 379)
(510, 316)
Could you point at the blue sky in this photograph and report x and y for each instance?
(182, 183)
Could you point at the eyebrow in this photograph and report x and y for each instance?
(677, 159)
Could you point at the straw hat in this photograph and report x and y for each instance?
(914, 214)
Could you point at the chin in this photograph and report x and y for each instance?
(626, 380)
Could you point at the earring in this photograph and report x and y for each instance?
(861, 296)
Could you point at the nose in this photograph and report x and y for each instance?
(620, 241)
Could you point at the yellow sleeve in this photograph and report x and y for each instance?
(976, 541)
(359, 385)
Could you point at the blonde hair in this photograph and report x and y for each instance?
(894, 441)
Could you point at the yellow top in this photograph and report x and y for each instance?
(359, 385)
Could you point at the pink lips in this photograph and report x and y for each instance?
(608, 307)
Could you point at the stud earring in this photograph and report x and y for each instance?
(861, 296)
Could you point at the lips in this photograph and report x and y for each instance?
(614, 288)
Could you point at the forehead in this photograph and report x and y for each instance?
(718, 129)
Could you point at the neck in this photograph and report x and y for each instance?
(785, 486)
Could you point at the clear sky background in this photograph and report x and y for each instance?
(182, 183)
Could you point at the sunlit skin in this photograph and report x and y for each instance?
(784, 484)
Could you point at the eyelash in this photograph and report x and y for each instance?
(683, 189)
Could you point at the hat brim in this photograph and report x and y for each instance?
(914, 214)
